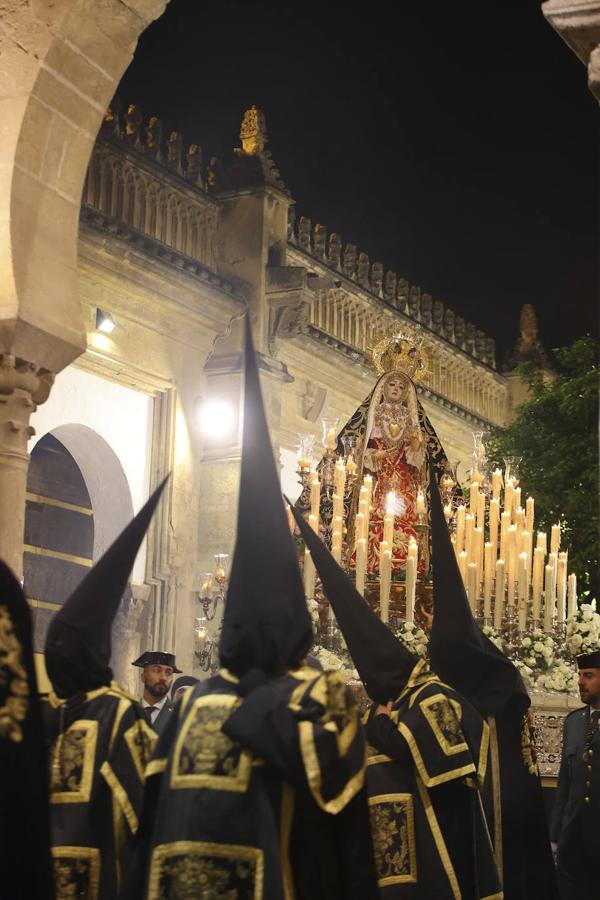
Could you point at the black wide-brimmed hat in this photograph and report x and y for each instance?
(156, 658)
(589, 660)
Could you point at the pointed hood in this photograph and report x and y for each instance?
(460, 653)
(78, 643)
(383, 662)
(266, 624)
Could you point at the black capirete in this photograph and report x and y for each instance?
(383, 662)
(266, 624)
(460, 653)
(78, 642)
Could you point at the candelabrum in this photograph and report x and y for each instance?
(204, 645)
(213, 587)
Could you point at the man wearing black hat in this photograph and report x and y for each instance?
(427, 758)
(158, 668)
(575, 827)
(466, 659)
(256, 788)
(98, 740)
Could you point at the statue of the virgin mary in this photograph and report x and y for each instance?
(392, 440)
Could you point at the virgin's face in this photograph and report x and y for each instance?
(394, 389)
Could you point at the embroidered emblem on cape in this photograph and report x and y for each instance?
(443, 715)
(141, 741)
(14, 687)
(72, 763)
(76, 872)
(204, 756)
(528, 749)
(393, 828)
(186, 870)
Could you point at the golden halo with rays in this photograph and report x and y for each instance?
(400, 351)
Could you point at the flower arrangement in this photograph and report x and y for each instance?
(536, 649)
(494, 636)
(413, 637)
(560, 677)
(583, 630)
(525, 671)
(334, 662)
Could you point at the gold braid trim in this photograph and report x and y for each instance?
(313, 773)
(287, 812)
(431, 780)
(496, 797)
(121, 795)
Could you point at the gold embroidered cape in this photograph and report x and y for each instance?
(425, 770)
(259, 796)
(100, 746)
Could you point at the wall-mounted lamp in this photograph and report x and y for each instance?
(217, 419)
(104, 321)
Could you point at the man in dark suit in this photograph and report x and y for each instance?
(575, 828)
(158, 668)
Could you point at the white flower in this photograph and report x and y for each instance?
(526, 642)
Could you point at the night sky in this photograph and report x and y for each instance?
(455, 142)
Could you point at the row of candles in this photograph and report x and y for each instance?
(507, 565)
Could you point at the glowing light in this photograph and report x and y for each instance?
(217, 419)
(104, 321)
(395, 504)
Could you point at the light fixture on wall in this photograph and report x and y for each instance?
(217, 419)
(104, 321)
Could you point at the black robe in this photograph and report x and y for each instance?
(259, 796)
(425, 769)
(100, 745)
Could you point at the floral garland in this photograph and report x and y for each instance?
(536, 650)
(583, 630)
(561, 677)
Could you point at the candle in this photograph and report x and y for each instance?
(522, 590)
(469, 525)
(309, 574)
(338, 506)
(474, 493)
(472, 591)
(480, 510)
(202, 638)
(303, 463)
(448, 513)
(552, 561)
(499, 599)
(536, 588)
(504, 526)
(542, 541)
(478, 552)
(517, 498)
(572, 609)
(460, 528)
(368, 483)
(290, 518)
(411, 584)
(331, 442)
(555, 539)
(548, 599)
(529, 507)
(315, 496)
(340, 477)
(488, 574)
(494, 520)
(508, 496)
(561, 589)
(420, 503)
(496, 484)
(358, 528)
(361, 564)
(511, 563)
(462, 565)
(385, 580)
(351, 466)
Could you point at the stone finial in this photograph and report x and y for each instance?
(349, 264)
(528, 325)
(449, 325)
(402, 295)
(320, 241)
(469, 337)
(193, 165)
(153, 138)
(437, 317)
(414, 301)
(111, 123)
(304, 233)
(459, 331)
(214, 175)
(377, 278)
(253, 133)
(334, 252)
(174, 152)
(426, 307)
(490, 352)
(291, 223)
(133, 123)
(389, 291)
(480, 344)
(362, 270)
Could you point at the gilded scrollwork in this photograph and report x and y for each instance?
(443, 715)
(392, 826)
(76, 872)
(189, 870)
(141, 741)
(14, 687)
(204, 756)
(72, 763)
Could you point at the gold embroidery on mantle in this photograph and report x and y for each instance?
(443, 715)
(528, 748)
(393, 828)
(14, 687)
(185, 870)
(72, 768)
(141, 740)
(76, 872)
(204, 756)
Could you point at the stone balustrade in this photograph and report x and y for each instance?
(146, 183)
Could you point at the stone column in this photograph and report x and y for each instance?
(22, 388)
